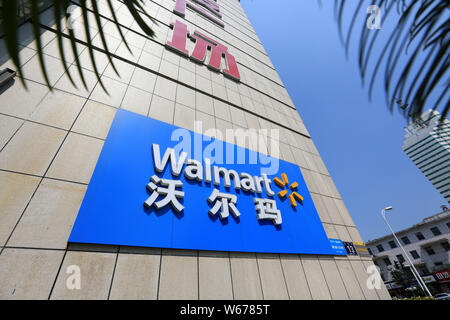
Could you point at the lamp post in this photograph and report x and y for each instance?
(413, 268)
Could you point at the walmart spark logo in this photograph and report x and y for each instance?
(294, 196)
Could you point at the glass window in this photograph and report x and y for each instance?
(436, 231)
(430, 251)
(405, 240)
(387, 261)
(400, 258)
(446, 246)
(420, 236)
(414, 254)
(392, 244)
(380, 248)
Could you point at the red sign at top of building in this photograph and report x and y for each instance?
(211, 11)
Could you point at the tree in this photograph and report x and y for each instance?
(12, 12)
(398, 276)
(422, 33)
(404, 276)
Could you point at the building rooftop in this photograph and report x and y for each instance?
(431, 219)
(422, 127)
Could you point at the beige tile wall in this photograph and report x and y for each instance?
(50, 143)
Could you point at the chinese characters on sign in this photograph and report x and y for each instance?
(338, 246)
(267, 209)
(180, 34)
(442, 276)
(224, 202)
(170, 193)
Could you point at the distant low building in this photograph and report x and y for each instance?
(427, 144)
(427, 245)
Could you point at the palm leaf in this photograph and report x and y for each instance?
(423, 25)
(14, 12)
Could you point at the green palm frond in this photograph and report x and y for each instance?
(422, 33)
(14, 12)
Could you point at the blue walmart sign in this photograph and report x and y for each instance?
(157, 185)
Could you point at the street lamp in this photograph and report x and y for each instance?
(413, 268)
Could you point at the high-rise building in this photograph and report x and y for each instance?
(80, 169)
(427, 144)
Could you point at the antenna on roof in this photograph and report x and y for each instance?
(402, 105)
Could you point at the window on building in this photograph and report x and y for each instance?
(380, 248)
(430, 251)
(387, 261)
(446, 246)
(414, 254)
(436, 231)
(392, 244)
(420, 236)
(423, 270)
(400, 258)
(405, 240)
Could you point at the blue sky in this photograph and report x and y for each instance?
(360, 142)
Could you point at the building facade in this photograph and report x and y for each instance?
(427, 246)
(427, 144)
(50, 142)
